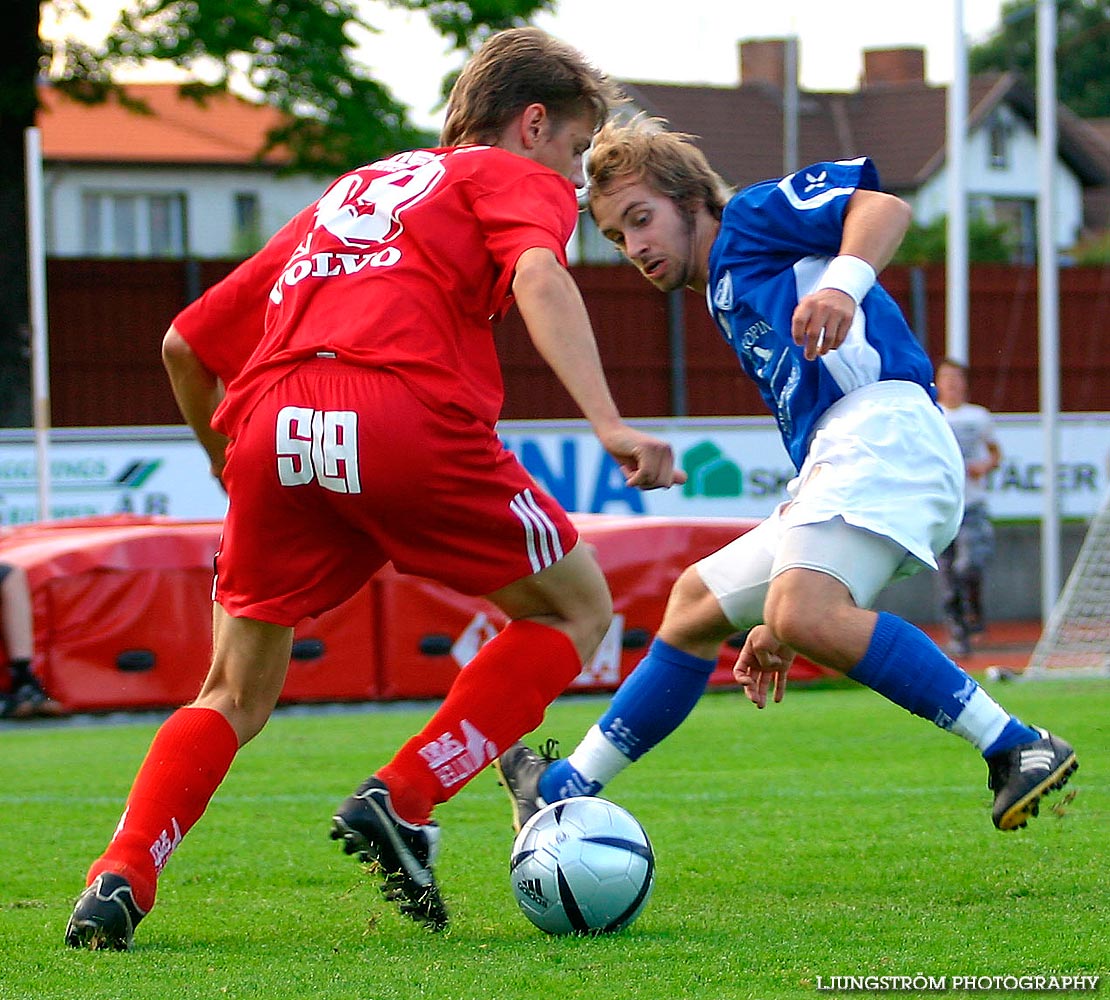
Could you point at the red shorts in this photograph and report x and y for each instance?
(340, 468)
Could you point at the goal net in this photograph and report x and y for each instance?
(1076, 639)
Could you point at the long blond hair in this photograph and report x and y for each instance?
(644, 150)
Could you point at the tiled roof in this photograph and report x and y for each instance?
(900, 125)
(1101, 128)
(740, 129)
(224, 130)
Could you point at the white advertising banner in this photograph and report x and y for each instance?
(113, 470)
(737, 467)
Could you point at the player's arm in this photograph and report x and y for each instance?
(559, 326)
(977, 470)
(198, 392)
(874, 224)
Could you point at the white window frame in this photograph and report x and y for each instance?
(106, 232)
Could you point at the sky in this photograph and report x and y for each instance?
(648, 40)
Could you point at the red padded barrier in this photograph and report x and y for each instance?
(429, 631)
(121, 606)
(119, 638)
(335, 656)
(122, 613)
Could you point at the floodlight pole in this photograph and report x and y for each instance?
(40, 363)
(956, 258)
(1048, 302)
(790, 106)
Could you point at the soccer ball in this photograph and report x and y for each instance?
(582, 866)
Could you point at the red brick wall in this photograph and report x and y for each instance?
(107, 319)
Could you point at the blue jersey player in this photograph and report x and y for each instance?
(789, 268)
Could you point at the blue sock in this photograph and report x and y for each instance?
(649, 706)
(655, 698)
(905, 666)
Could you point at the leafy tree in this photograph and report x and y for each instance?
(297, 55)
(1083, 51)
(19, 60)
(987, 242)
(1093, 250)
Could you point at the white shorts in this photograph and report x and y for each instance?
(879, 496)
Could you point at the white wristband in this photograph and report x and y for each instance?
(848, 274)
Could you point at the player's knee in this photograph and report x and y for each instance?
(246, 718)
(693, 620)
(688, 592)
(592, 622)
(794, 620)
(588, 619)
(249, 724)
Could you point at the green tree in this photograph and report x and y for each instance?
(1093, 250)
(297, 55)
(987, 242)
(1083, 51)
(19, 62)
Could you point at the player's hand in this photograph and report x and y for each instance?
(647, 462)
(821, 321)
(763, 660)
(977, 470)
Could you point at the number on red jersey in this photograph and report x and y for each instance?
(320, 445)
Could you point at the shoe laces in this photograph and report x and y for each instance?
(549, 750)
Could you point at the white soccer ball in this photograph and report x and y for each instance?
(582, 866)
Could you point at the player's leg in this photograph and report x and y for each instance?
(952, 603)
(980, 548)
(187, 760)
(559, 615)
(466, 513)
(651, 703)
(454, 505)
(826, 576)
(709, 602)
(558, 618)
(26, 697)
(282, 557)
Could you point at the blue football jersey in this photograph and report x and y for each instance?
(775, 241)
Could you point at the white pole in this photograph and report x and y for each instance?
(790, 107)
(956, 269)
(40, 363)
(1048, 300)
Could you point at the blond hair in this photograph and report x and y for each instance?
(518, 67)
(643, 150)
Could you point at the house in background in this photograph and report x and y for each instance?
(184, 180)
(1096, 201)
(899, 120)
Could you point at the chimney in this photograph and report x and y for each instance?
(763, 61)
(905, 65)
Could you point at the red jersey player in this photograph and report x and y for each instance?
(362, 391)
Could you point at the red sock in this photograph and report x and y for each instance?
(500, 695)
(184, 766)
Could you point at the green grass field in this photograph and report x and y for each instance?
(831, 835)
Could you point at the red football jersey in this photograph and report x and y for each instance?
(225, 325)
(403, 265)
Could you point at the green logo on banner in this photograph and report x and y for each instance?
(710, 474)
